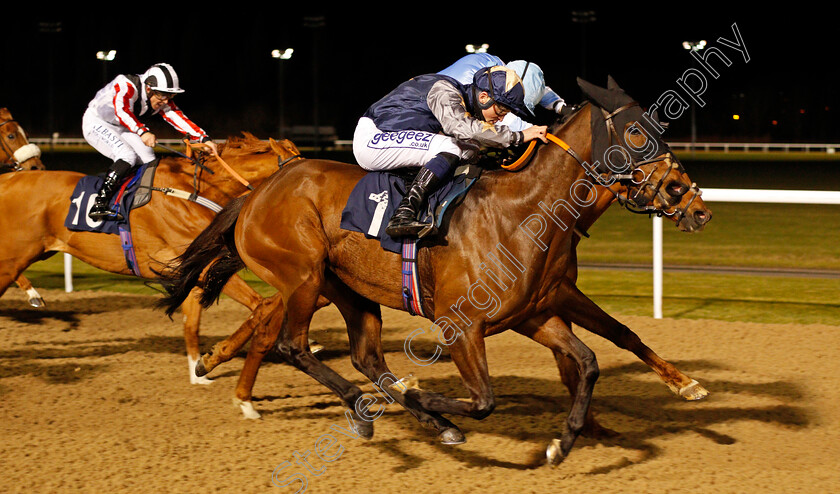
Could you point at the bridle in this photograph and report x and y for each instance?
(19, 156)
(645, 190)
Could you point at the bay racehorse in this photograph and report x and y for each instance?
(186, 195)
(17, 153)
(507, 260)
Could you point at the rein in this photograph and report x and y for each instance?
(199, 166)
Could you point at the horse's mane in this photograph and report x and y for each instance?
(248, 144)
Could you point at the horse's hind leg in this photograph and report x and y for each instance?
(236, 289)
(226, 349)
(288, 325)
(576, 307)
(555, 335)
(35, 299)
(364, 329)
(191, 308)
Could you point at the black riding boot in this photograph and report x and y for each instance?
(100, 209)
(404, 221)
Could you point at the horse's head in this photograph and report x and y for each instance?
(15, 151)
(255, 159)
(628, 149)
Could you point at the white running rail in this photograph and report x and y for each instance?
(734, 195)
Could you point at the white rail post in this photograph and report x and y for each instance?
(657, 267)
(734, 195)
(68, 273)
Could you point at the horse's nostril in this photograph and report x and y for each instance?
(702, 217)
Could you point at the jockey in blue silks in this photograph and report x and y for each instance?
(435, 122)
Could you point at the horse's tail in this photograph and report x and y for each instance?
(213, 247)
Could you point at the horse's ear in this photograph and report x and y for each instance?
(612, 85)
(593, 93)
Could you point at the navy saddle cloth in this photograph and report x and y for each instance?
(84, 194)
(376, 196)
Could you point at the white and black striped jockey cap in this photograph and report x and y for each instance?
(162, 77)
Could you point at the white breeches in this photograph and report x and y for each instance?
(115, 142)
(378, 150)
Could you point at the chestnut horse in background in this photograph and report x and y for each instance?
(288, 233)
(16, 153)
(35, 205)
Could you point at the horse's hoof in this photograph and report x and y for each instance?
(314, 346)
(364, 428)
(247, 409)
(694, 391)
(452, 436)
(35, 299)
(554, 453)
(200, 370)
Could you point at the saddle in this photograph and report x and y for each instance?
(376, 196)
(134, 192)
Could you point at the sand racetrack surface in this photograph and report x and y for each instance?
(95, 398)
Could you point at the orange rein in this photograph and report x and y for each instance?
(227, 167)
(526, 156)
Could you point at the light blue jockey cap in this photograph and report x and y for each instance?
(532, 80)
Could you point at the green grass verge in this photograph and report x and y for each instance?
(760, 299)
(749, 235)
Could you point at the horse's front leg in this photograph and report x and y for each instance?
(35, 299)
(576, 307)
(554, 334)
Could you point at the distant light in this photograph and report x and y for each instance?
(482, 48)
(106, 56)
(775, 122)
(694, 45)
(736, 117)
(802, 111)
(282, 54)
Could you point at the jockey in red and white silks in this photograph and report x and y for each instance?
(111, 123)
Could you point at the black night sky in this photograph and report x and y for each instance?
(345, 59)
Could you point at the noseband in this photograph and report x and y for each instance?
(20, 155)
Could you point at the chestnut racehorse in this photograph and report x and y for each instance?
(506, 261)
(35, 205)
(16, 153)
(15, 150)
